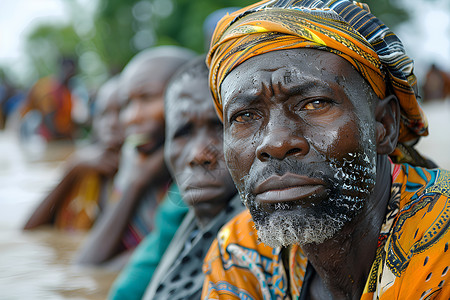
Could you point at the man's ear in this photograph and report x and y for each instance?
(387, 117)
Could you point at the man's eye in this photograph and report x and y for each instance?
(183, 131)
(316, 104)
(246, 117)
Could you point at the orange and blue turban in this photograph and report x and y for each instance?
(345, 28)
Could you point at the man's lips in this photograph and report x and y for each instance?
(201, 186)
(202, 189)
(289, 187)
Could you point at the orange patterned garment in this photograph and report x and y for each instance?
(412, 259)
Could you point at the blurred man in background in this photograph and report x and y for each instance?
(83, 192)
(143, 179)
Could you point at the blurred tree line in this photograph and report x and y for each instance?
(105, 40)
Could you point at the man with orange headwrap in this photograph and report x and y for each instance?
(319, 105)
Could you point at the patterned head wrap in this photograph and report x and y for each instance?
(342, 27)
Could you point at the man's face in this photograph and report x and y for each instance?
(299, 141)
(194, 150)
(143, 114)
(106, 122)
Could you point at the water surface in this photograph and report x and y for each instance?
(37, 264)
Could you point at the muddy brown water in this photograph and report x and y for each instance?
(37, 264)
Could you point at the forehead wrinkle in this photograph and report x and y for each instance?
(252, 93)
(276, 88)
(298, 84)
(174, 111)
(247, 97)
(267, 90)
(275, 85)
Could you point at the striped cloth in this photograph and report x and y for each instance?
(342, 27)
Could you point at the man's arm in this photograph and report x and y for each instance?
(104, 240)
(45, 212)
(101, 161)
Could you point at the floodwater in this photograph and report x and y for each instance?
(37, 264)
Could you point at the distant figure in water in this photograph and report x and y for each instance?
(47, 110)
(437, 84)
(83, 192)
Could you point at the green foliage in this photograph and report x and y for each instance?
(389, 11)
(113, 33)
(185, 24)
(47, 43)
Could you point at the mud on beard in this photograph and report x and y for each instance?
(349, 181)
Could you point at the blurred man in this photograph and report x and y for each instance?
(437, 84)
(143, 180)
(194, 154)
(83, 192)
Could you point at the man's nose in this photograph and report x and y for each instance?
(280, 142)
(132, 114)
(203, 154)
(112, 120)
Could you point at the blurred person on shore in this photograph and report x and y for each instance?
(143, 180)
(437, 84)
(11, 97)
(47, 109)
(83, 192)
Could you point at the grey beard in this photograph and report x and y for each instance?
(284, 228)
(288, 224)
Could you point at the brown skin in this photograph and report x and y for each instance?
(194, 148)
(300, 107)
(101, 157)
(109, 132)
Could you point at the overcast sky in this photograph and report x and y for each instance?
(427, 37)
(17, 17)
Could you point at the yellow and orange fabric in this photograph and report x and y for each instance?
(412, 259)
(342, 27)
(81, 206)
